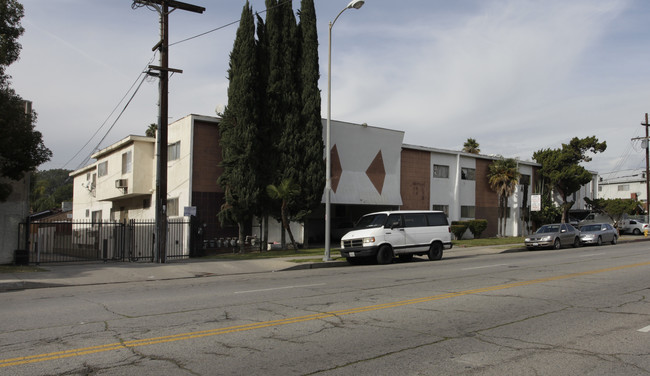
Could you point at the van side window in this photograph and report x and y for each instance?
(415, 220)
(437, 219)
(394, 220)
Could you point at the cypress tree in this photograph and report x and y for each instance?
(283, 94)
(240, 141)
(309, 137)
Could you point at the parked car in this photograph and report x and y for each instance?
(598, 233)
(632, 226)
(384, 235)
(553, 236)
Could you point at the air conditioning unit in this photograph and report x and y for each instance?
(121, 183)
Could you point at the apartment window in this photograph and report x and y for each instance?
(172, 207)
(174, 151)
(600, 188)
(623, 187)
(467, 212)
(146, 203)
(87, 213)
(127, 162)
(442, 208)
(96, 216)
(467, 173)
(440, 171)
(524, 179)
(102, 169)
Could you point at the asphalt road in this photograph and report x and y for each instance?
(572, 311)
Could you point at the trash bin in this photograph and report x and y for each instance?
(21, 257)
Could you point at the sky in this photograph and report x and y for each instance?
(516, 75)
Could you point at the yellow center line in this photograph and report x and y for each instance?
(291, 320)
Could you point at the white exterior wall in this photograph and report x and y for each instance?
(445, 191)
(453, 191)
(84, 196)
(612, 190)
(104, 196)
(515, 226)
(357, 146)
(179, 171)
(467, 188)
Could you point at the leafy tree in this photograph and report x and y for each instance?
(503, 177)
(241, 147)
(285, 192)
(151, 130)
(561, 168)
(11, 12)
(614, 208)
(471, 146)
(21, 146)
(49, 188)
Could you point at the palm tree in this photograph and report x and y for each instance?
(285, 192)
(151, 131)
(503, 178)
(471, 146)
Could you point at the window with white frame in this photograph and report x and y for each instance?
(102, 169)
(467, 211)
(467, 173)
(440, 171)
(442, 208)
(174, 151)
(127, 162)
(623, 187)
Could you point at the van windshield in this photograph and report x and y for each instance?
(373, 220)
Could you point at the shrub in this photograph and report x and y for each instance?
(477, 226)
(458, 228)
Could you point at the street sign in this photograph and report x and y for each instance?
(535, 202)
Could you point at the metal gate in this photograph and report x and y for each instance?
(79, 241)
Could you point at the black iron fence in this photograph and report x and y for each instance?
(133, 240)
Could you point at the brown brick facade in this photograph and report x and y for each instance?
(415, 182)
(487, 205)
(207, 195)
(206, 167)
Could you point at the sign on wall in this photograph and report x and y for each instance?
(535, 202)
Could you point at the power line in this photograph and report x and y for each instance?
(135, 5)
(226, 25)
(107, 118)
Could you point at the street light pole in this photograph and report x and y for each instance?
(356, 4)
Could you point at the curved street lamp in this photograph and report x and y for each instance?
(355, 4)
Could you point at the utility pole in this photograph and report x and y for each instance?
(647, 169)
(162, 6)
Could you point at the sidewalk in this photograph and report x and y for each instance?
(61, 275)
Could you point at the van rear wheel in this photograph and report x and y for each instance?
(384, 255)
(435, 251)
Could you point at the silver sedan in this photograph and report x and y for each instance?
(553, 236)
(598, 233)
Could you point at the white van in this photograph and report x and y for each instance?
(384, 235)
(592, 218)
